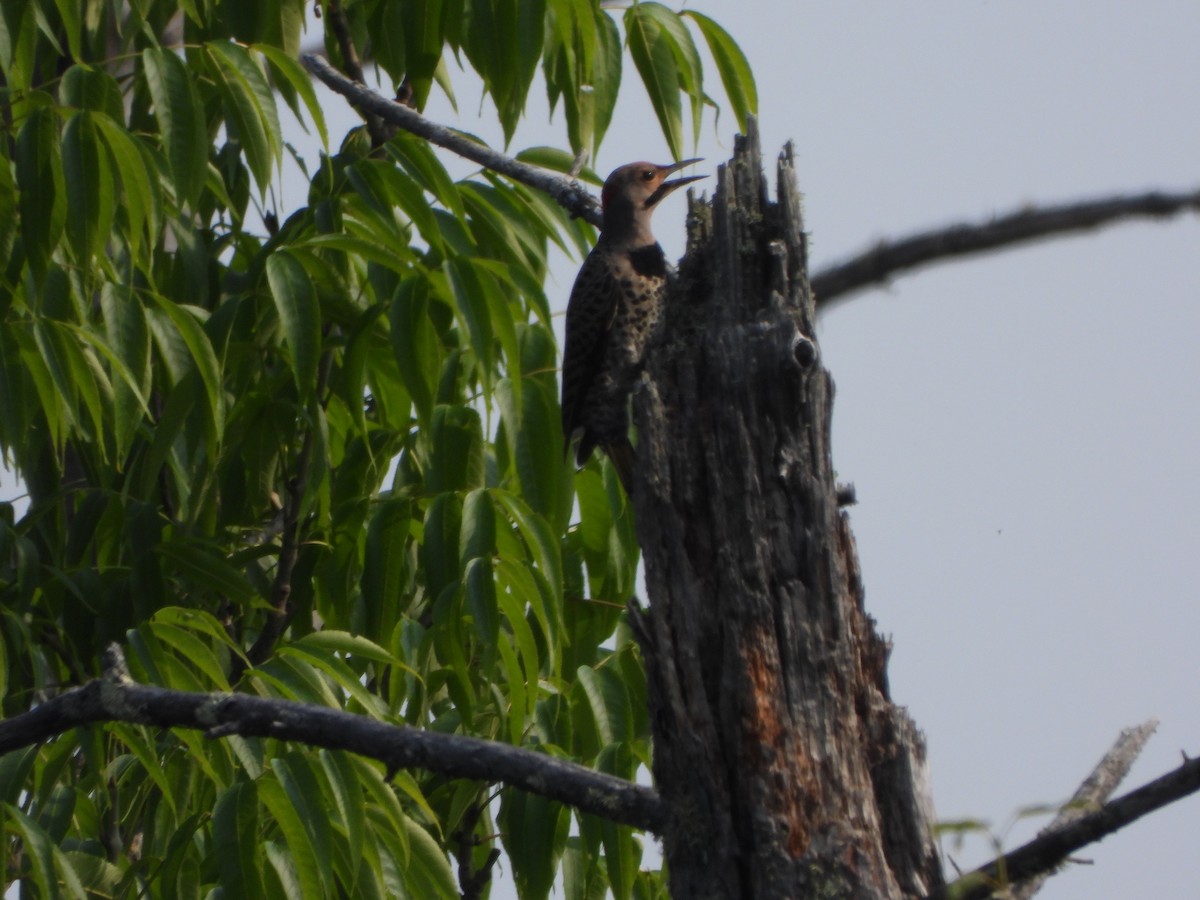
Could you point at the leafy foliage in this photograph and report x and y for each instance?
(346, 424)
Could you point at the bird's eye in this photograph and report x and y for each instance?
(648, 174)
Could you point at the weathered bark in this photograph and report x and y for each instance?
(786, 768)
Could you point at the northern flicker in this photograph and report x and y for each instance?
(614, 307)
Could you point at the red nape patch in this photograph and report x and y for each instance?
(606, 193)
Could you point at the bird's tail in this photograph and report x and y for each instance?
(620, 453)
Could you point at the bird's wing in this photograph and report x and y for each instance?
(590, 314)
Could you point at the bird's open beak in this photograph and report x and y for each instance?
(667, 186)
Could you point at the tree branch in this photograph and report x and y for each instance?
(889, 258)
(282, 609)
(473, 881)
(1096, 788)
(1046, 851)
(335, 16)
(116, 698)
(567, 193)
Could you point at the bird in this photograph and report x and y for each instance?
(614, 307)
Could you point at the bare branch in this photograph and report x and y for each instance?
(1046, 851)
(567, 193)
(1096, 788)
(473, 881)
(888, 258)
(116, 698)
(282, 609)
(335, 16)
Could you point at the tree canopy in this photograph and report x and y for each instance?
(308, 448)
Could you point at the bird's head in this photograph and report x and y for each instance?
(632, 191)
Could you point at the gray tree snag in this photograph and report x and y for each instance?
(786, 770)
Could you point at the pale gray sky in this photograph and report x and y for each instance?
(1022, 429)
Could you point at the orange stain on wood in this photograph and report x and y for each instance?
(767, 749)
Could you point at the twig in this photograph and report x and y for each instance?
(114, 698)
(473, 881)
(1096, 788)
(335, 17)
(567, 193)
(1046, 851)
(282, 610)
(889, 258)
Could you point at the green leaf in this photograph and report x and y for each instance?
(96, 875)
(533, 433)
(385, 808)
(428, 873)
(608, 700)
(205, 565)
(520, 594)
(513, 600)
(299, 780)
(236, 841)
(52, 354)
(347, 791)
(299, 311)
(385, 22)
(558, 160)
(541, 540)
(384, 189)
(386, 564)
(8, 216)
(141, 198)
(422, 46)
(295, 75)
(503, 41)
(141, 746)
(416, 345)
(86, 87)
(349, 645)
(303, 856)
(390, 257)
(187, 328)
(439, 549)
(478, 539)
(55, 811)
(470, 303)
(687, 61)
(349, 680)
(583, 878)
(534, 831)
(456, 461)
(479, 589)
(296, 676)
(421, 163)
(517, 712)
(197, 621)
(15, 767)
(249, 107)
(42, 186)
(622, 853)
(733, 67)
(606, 77)
(195, 651)
(503, 311)
(654, 57)
(181, 120)
(48, 864)
(284, 866)
(128, 339)
(72, 24)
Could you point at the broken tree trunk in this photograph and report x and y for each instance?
(787, 770)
